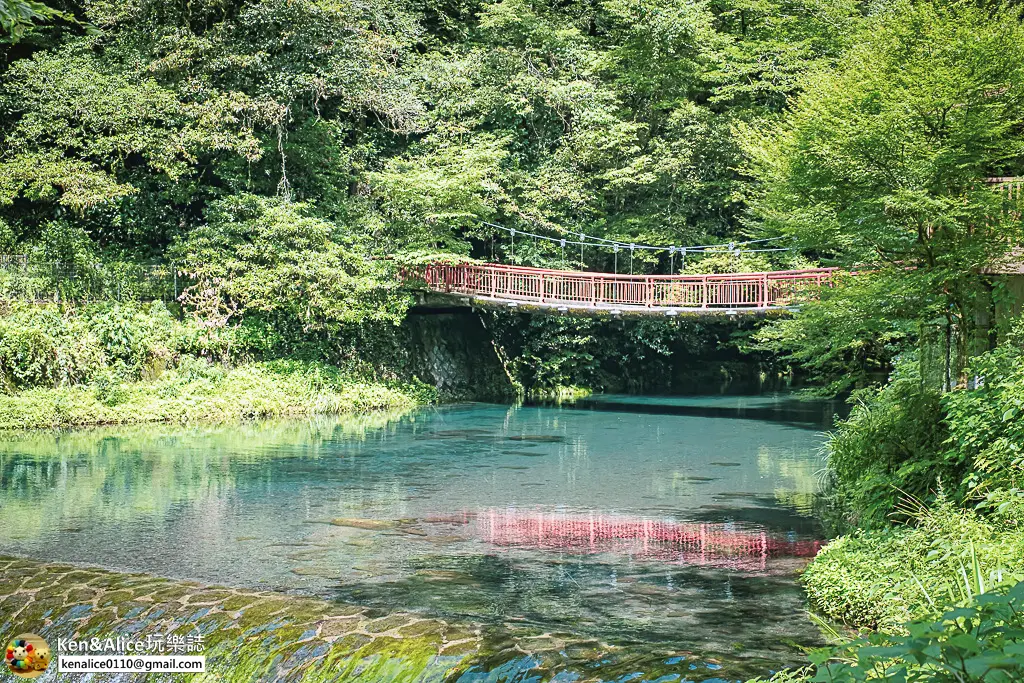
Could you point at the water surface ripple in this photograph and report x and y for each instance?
(670, 527)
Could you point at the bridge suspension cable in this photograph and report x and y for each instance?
(616, 245)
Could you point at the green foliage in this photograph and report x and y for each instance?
(775, 45)
(877, 166)
(982, 642)
(437, 188)
(901, 446)
(263, 255)
(51, 346)
(18, 17)
(83, 131)
(986, 426)
(285, 150)
(197, 390)
(551, 355)
(850, 336)
(908, 441)
(877, 158)
(882, 578)
(891, 447)
(43, 347)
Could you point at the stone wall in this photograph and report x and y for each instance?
(451, 349)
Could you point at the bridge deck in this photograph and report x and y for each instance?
(581, 292)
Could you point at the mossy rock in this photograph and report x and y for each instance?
(387, 623)
(275, 637)
(80, 595)
(238, 602)
(38, 612)
(170, 592)
(115, 598)
(11, 604)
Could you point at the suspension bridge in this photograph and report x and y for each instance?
(567, 291)
(582, 292)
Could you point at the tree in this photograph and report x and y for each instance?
(19, 17)
(268, 256)
(880, 163)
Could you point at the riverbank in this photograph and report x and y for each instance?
(197, 390)
(882, 578)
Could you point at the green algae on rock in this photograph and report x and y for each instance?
(248, 635)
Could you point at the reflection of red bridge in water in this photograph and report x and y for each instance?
(704, 544)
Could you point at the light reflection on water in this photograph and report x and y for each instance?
(665, 525)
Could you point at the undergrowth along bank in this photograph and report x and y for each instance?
(66, 366)
(200, 391)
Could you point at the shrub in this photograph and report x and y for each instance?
(58, 346)
(890, 447)
(199, 390)
(46, 346)
(982, 642)
(881, 578)
(986, 428)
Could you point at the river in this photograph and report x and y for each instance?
(671, 528)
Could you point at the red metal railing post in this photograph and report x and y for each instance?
(736, 290)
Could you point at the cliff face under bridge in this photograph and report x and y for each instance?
(449, 348)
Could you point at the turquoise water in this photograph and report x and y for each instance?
(670, 528)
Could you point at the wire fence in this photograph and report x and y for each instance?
(26, 279)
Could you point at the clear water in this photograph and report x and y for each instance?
(671, 527)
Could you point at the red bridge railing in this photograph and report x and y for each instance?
(605, 290)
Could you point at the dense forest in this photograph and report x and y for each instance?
(287, 157)
(293, 152)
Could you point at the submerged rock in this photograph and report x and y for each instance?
(363, 523)
(538, 438)
(246, 635)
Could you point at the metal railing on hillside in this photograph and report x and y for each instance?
(26, 279)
